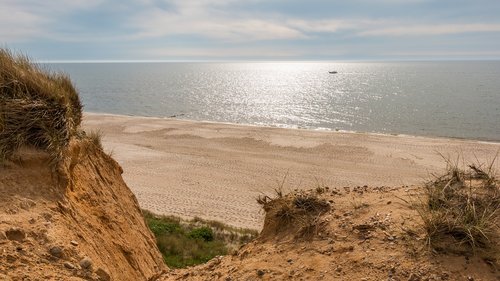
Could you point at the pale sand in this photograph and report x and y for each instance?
(215, 171)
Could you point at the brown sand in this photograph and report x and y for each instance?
(82, 223)
(365, 234)
(215, 171)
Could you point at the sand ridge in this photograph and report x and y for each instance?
(215, 170)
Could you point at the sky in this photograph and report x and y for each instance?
(80, 30)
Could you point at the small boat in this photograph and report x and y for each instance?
(332, 72)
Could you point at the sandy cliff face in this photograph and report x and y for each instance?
(363, 233)
(83, 224)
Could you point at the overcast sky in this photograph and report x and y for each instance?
(251, 29)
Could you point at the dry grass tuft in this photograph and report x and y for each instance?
(460, 210)
(296, 213)
(37, 108)
(95, 138)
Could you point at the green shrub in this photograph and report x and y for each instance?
(187, 243)
(162, 225)
(205, 233)
(181, 251)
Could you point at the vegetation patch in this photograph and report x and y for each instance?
(185, 243)
(38, 108)
(460, 211)
(297, 213)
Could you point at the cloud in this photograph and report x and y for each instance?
(328, 26)
(218, 20)
(221, 52)
(394, 1)
(250, 28)
(19, 25)
(160, 24)
(49, 7)
(430, 29)
(446, 54)
(22, 20)
(206, 20)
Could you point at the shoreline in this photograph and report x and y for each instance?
(322, 129)
(216, 170)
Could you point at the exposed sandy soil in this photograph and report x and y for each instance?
(83, 224)
(215, 171)
(86, 224)
(369, 234)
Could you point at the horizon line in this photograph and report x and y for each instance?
(262, 61)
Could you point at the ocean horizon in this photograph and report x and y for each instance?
(457, 99)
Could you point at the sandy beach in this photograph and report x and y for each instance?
(215, 171)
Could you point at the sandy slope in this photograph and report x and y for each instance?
(367, 234)
(215, 171)
(83, 223)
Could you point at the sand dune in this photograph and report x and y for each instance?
(215, 171)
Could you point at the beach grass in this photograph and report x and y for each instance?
(38, 108)
(460, 211)
(296, 212)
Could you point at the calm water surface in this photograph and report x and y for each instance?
(452, 99)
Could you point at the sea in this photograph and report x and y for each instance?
(457, 99)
